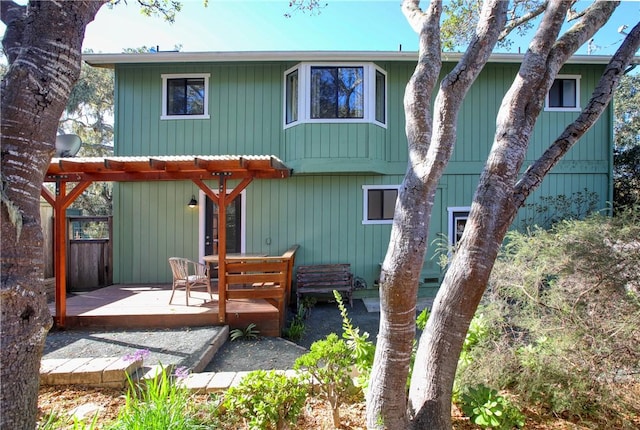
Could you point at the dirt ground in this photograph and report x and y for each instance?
(277, 353)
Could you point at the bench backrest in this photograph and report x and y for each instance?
(325, 275)
(252, 273)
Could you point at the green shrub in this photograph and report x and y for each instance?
(328, 365)
(362, 349)
(486, 408)
(561, 312)
(266, 400)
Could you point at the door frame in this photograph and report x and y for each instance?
(201, 221)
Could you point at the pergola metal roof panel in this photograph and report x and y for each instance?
(171, 167)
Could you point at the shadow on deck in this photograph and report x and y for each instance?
(147, 306)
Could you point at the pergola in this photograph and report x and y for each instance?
(79, 173)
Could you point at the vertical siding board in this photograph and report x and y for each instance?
(321, 213)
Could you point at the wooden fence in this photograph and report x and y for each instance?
(89, 258)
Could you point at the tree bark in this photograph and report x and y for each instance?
(43, 44)
(492, 212)
(428, 156)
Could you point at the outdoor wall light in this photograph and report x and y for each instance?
(193, 202)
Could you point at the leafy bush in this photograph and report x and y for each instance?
(550, 210)
(362, 349)
(486, 408)
(561, 311)
(328, 365)
(266, 400)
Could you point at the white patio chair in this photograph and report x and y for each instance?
(189, 274)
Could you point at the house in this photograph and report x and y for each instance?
(336, 120)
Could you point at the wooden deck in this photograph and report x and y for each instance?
(147, 306)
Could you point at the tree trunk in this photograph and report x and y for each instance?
(494, 207)
(43, 44)
(386, 399)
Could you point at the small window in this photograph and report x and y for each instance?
(564, 94)
(291, 95)
(457, 221)
(379, 203)
(185, 96)
(381, 103)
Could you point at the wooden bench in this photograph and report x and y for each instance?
(324, 278)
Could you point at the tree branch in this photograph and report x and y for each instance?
(515, 23)
(12, 15)
(600, 98)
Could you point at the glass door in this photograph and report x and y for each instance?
(234, 227)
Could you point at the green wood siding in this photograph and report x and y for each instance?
(321, 206)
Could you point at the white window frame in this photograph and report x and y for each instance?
(578, 107)
(455, 213)
(365, 203)
(166, 77)
(304, 94)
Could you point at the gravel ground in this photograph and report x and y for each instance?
(179, 347)
(280, 354)
(184, 347)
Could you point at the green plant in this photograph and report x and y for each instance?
(328, 364)
(421, 320)
(486, 408)
(296, 328)
(156, 403)
(552, 209)
(478, 332)
(362, 349)
(249, 333)
(266, 400)
(53, 421)
(561, 309)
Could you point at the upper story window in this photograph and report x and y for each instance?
(335, 93)
(564, 94)
(379, 203)
(185, 96)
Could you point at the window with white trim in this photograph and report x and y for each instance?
(564, 94)
(185, 96)
(335, 92)
(457, 221)
(379, 203)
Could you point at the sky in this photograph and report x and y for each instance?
(250, 25)
(261, 25)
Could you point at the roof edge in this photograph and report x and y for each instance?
(110, 60)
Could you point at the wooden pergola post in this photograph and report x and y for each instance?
(60, 202)
(222, 200)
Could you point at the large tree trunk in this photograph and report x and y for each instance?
(494, 207)
(43, 43)
(428, 154)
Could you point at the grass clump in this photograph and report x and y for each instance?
(158, 403)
